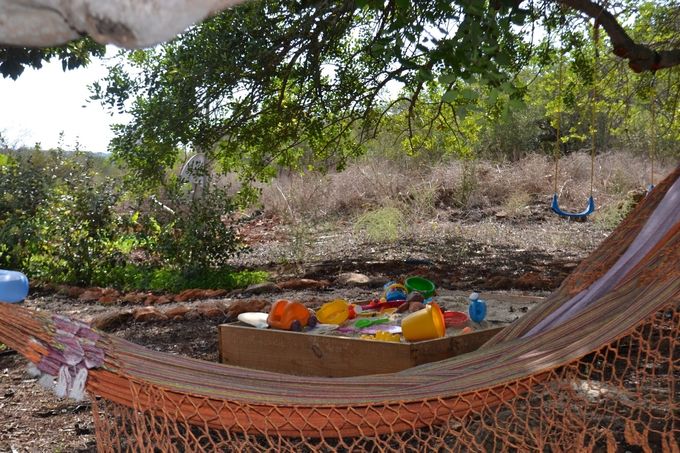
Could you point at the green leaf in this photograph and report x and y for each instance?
(403, 4)
(520, 16)
(493, 96)
(424, 75)
(516, 104)
(502, 58)
(462, 112)
(448, 78)
(450, 95)
(468, 93)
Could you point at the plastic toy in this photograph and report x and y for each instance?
(287, 315)
(420, 284)
(477, 308)
(363, 323)
(254, 319)
(395, 291)
(13, 286)
(425, 324)
(354, 310)
(380, 304)
(333, 312)
(455, 319)
(337, 311)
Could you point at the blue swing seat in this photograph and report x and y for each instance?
(555, 206)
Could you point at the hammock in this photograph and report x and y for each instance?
(594, 367)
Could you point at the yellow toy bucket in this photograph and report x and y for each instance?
(425, 324)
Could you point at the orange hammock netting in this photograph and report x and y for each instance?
(596, 367)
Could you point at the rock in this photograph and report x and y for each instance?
(73, 292)
(501, 215)
(415, 306)
(134, 298)
(352, 279)
(262, 288)
(214, 293)
(108, 299)
(245, 306)
(177, 312)
(163, 299)
(298, 284)
(110, 321)
(148, 314)
(212, 309)
(150, 299)
(192, 314)
(109, 296)
(91, 295)
(189, 294)
(415, 296)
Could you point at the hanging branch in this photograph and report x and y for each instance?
(640, 57)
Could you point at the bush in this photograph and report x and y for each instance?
(381, 225)
(75, 229)
(190, 234)
(62, 222)
(56, 216)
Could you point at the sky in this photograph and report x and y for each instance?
(41, 103)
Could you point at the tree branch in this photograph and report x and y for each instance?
(640, 57)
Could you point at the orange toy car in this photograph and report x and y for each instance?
(288, 315)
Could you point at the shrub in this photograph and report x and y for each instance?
(56, 216)
(190, 235)
(381, 225)
(61, 221)
(516, 203)
(74, 232)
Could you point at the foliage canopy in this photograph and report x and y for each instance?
(305, 84)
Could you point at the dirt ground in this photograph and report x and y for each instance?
(515, 264)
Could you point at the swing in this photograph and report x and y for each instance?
(555, 205)
(590, 208)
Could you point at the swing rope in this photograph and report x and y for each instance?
(593, 104)
(558, 142)
(590, 208)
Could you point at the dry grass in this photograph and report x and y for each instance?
(419, 192)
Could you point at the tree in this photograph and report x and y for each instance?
(13, 60)
(284, 82)
(131, 25)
